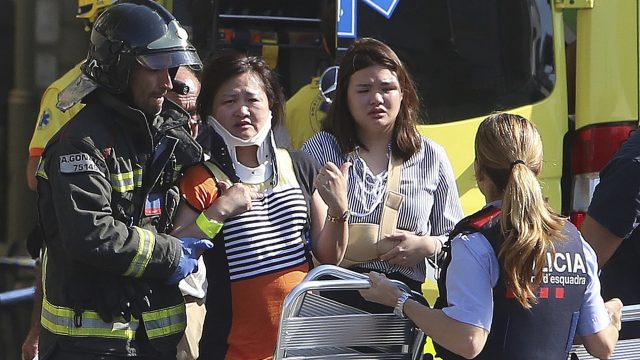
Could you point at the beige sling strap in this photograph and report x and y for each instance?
(366, 241)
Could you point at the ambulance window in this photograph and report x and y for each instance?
(469, 57)
(286, 33)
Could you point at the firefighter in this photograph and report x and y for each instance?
(106, 196)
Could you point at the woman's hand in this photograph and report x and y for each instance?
(614, 308)
(410, 248)
(233, 200)
(331, 183)
(382, 290)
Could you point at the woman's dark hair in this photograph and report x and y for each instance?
(362, 54)
(228, 65)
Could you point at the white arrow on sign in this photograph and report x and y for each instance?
(384, 7)
(348, 12)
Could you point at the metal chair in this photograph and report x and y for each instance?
(313, 326)
(627, 349)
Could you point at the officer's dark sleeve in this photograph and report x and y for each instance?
(81, 195)
(616, 199)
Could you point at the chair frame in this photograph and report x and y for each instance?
(315, 327)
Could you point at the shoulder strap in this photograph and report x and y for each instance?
(284, 168)
(476, 222)
(394, 170)
(392, 200)
(215, 171)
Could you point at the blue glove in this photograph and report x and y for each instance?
(191, 248)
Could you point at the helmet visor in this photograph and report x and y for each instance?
(171, 50)
(171, 59)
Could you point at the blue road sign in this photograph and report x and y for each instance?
(348, 14)
(384, 7)
(347, 19)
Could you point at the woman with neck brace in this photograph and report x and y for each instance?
(267, 209)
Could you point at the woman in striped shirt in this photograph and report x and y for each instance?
(399, 180)
(260, 206)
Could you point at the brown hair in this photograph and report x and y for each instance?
(230, 64)
(509, 151)
(364, 53)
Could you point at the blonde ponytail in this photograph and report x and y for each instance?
(509, 151)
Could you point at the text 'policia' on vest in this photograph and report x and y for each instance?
(107, 197)
(516, 332)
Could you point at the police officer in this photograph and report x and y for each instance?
(520, 281)
(106, 196)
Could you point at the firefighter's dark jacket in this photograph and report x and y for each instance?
(100, 226)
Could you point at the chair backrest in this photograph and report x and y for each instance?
(315, 327)
(626, 349)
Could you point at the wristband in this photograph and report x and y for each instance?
(207, 226)
(344, 217)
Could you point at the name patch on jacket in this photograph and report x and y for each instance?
(153, 205)
(78, 163)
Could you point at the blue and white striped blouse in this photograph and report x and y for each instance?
(431, 204)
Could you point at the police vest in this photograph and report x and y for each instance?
(545, 331)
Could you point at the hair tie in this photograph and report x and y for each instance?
(513, 163)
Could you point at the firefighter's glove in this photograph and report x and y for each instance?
(192, 248)
(108, 299)
(35, 241)
(136, 292)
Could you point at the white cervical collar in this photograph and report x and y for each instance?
(249, 175)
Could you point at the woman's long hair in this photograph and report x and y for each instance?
(363, 53)
(509, 151)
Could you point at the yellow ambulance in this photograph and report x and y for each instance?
(471, 58)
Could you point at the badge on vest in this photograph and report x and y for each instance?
(78, 163)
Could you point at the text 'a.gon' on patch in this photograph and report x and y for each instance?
(78, 163)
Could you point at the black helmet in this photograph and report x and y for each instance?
(136, 30)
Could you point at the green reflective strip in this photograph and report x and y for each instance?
(146, 243)
(122, 182)
(40, 172)
(137, 177)
(59, 320)
(165, 322)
